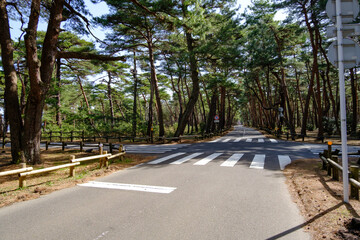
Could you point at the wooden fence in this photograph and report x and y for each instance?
(331, 164)
(79, 137)
(24, 172)
(302, 137)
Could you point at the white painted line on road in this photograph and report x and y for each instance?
(226, 140)
(273, 140)
(249, 140)
(232, 160)
(182, 160)
(261, 140)
(238, 139)
(258, 162)
(208, 159)
(130, 187)
(284, 160)
(216, 140)
(166, 158)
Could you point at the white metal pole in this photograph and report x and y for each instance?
(344, 149)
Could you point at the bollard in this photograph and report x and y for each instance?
(72, 168)
(354, 192)
(329, 149)
(335, 170)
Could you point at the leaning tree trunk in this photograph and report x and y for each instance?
(196, 88)
(12, 107)
(109, 92)
(154, 82)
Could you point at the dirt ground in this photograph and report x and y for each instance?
(318, 197)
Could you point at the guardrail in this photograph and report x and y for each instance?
(16, 171)
(104, 158)
(331, 164)
(22, 176)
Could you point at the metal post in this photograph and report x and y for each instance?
(342, 102)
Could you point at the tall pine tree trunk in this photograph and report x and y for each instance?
(196, 88)
(134, 117)
(12, 107)
(58, 93)
(154, 82)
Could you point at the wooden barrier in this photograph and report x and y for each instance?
(22, 176)
(17, 171)
(90, 158)
(333, 169)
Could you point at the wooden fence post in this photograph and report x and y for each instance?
(72, 168)
(111, 147)
(324, 163)
(71, 136)
(354, 191)
(329, 167)
(105, 160)
(22, 180)
(47, 145)
(81, 146)
(121, 149)
(335, 170)
(63, 146)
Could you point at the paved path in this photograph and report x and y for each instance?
(215, 190)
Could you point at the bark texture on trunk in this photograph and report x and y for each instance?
(195, 90)
(40, 75)
(12, 107)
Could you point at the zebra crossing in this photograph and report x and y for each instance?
(258, 160)
(157, 148)
(243, 139)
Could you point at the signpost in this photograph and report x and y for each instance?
(340, 11)
(216, 119)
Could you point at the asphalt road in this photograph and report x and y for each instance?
(228, 189)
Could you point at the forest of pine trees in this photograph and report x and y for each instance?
(170, 66)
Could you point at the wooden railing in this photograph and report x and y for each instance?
(334, 169)
(24, 172)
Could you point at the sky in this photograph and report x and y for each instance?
(101, 8)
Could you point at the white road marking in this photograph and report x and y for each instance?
(238, 139)
(261, 140)
(258, 162)
(216, 140)
(131, 187)
(273, 140)
(249, 140)
(166, 158)
(284, 160)
(226, 140)
(182, 160)
(232, 160)
(208, 159)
